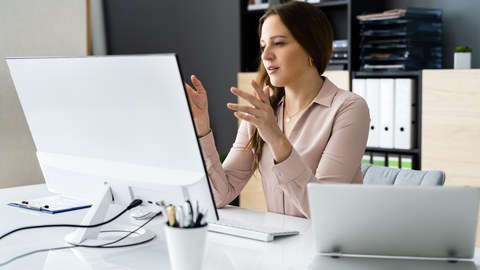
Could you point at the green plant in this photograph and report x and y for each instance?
(463, 49)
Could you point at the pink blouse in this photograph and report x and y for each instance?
(328, 142)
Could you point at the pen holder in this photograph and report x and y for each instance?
(185, 246)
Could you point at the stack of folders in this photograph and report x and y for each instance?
(339, 58)
(399, 39)
(393, 107)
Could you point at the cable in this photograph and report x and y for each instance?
(106, 245)
(133, 204)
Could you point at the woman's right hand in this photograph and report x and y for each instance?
(197, 97)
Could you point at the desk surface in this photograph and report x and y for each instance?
(222, 251)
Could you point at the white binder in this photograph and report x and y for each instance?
(404, 113)
(387, 111)
(358, 87)
(372, 91)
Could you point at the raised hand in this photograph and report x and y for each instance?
(197, 97)
(260, 114)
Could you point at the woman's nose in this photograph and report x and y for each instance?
(266, 54)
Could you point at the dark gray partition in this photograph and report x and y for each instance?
(205, 35)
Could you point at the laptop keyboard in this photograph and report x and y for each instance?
(246, 230)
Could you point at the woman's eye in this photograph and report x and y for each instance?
(278, 43)
(262, 48)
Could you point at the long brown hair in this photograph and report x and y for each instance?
(313, 31)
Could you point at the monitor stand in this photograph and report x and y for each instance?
(109, 233)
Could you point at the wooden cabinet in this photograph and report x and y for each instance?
(451, 125)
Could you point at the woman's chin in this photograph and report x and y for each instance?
(276, 83)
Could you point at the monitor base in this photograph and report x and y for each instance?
(111, 234)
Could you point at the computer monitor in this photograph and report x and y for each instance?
(113, 129)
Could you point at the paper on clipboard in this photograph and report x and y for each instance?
(52, 204)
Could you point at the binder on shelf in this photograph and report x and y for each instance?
(387, 111)
(358, 87)
(372, 92)
(404, 113)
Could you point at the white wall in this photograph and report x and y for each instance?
(32, 28)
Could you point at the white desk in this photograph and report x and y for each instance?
(222, 251)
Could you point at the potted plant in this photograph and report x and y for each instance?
(462, 57)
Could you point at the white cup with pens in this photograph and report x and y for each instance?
(185, 233)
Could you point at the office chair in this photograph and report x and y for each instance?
(380, 175)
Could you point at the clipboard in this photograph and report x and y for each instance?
(52, 204)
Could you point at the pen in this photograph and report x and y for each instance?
(171, 215)
(189, 219)
(180, 214)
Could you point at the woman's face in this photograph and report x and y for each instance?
(284, 59)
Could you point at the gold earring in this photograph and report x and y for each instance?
(310, 61)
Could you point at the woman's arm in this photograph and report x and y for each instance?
(228, 179)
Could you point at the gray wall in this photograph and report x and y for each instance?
(205, 34)
(461, 25)
(31, 28)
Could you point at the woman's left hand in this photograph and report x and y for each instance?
(260, 114)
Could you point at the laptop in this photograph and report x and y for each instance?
(401, 221)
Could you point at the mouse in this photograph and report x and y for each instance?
(141, 214)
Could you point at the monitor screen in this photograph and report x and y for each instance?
(123, 121)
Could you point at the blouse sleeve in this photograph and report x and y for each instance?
(228, 179)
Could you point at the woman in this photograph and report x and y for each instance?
(299, 127)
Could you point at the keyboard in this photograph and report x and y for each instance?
(246, 230)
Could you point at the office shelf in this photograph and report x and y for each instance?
(341, 13)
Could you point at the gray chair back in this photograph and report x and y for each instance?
(380, 175)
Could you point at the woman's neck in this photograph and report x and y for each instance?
(298, 97)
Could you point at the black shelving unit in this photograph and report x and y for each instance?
(415, 152)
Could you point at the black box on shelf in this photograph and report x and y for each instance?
(408, 39)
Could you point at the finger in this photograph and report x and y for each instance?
(197, 83)
(259, 91)
(245, 109)
(266, 91)
(248, 97)
(188, 87)
(192, 93)
(246, 117)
